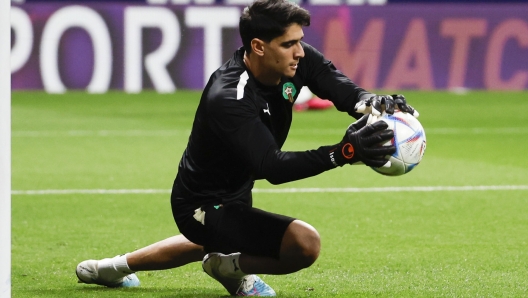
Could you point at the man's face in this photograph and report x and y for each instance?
(282, 54)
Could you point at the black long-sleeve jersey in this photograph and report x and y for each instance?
(240, 126)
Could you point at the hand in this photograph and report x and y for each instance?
(361, 143)
(376, 105)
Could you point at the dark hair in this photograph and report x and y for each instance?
(268, 19)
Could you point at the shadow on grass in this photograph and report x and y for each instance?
(160, 292)
(153, 292)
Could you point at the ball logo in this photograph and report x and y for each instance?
(348, 151)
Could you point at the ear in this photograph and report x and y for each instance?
(257, 46)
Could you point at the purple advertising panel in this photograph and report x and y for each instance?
(102, 46)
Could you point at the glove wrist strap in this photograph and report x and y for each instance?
(341, 154)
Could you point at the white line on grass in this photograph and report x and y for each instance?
(477, 130)
(100, 133)
(395, 189)
(435, 131)
(183, 132)
(282, 190)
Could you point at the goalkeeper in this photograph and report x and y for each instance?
(240, 125)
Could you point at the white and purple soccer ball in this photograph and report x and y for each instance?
(409, 139)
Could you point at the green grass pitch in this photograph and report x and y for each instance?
(463, 234)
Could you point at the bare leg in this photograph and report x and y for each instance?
(117, 271)
(300, 249)
(170, 253)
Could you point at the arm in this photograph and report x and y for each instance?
(256, 145)
(325, 81)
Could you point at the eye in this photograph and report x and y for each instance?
(289, 44)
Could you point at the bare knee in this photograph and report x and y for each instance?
(301, 244)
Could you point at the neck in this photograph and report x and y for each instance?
(256, 67)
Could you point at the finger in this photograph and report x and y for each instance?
(379, 151)
(372, 128)
(400, 101)
(376, 106)
(377, 162)
(398, 96)
(389, 105)
(377, 126)
(360, 107)
(378, 138)
(410, 110)
(363, 120)
(372, 119)
(413, 112)
(360, 123)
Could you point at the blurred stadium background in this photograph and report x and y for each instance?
(162, 45)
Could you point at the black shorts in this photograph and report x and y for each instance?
(232, 227)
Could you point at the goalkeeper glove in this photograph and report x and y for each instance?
(361, 143)
(376, 105)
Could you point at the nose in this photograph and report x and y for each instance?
(299, 51)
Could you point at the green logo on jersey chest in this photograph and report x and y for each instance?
(289, 91)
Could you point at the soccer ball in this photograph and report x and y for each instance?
(409, 139)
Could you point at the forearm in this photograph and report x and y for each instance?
(286, 166)
(341, 91)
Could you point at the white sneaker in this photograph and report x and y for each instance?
(211, 264)
(88, 273)
(248, 285)
(252, 285)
